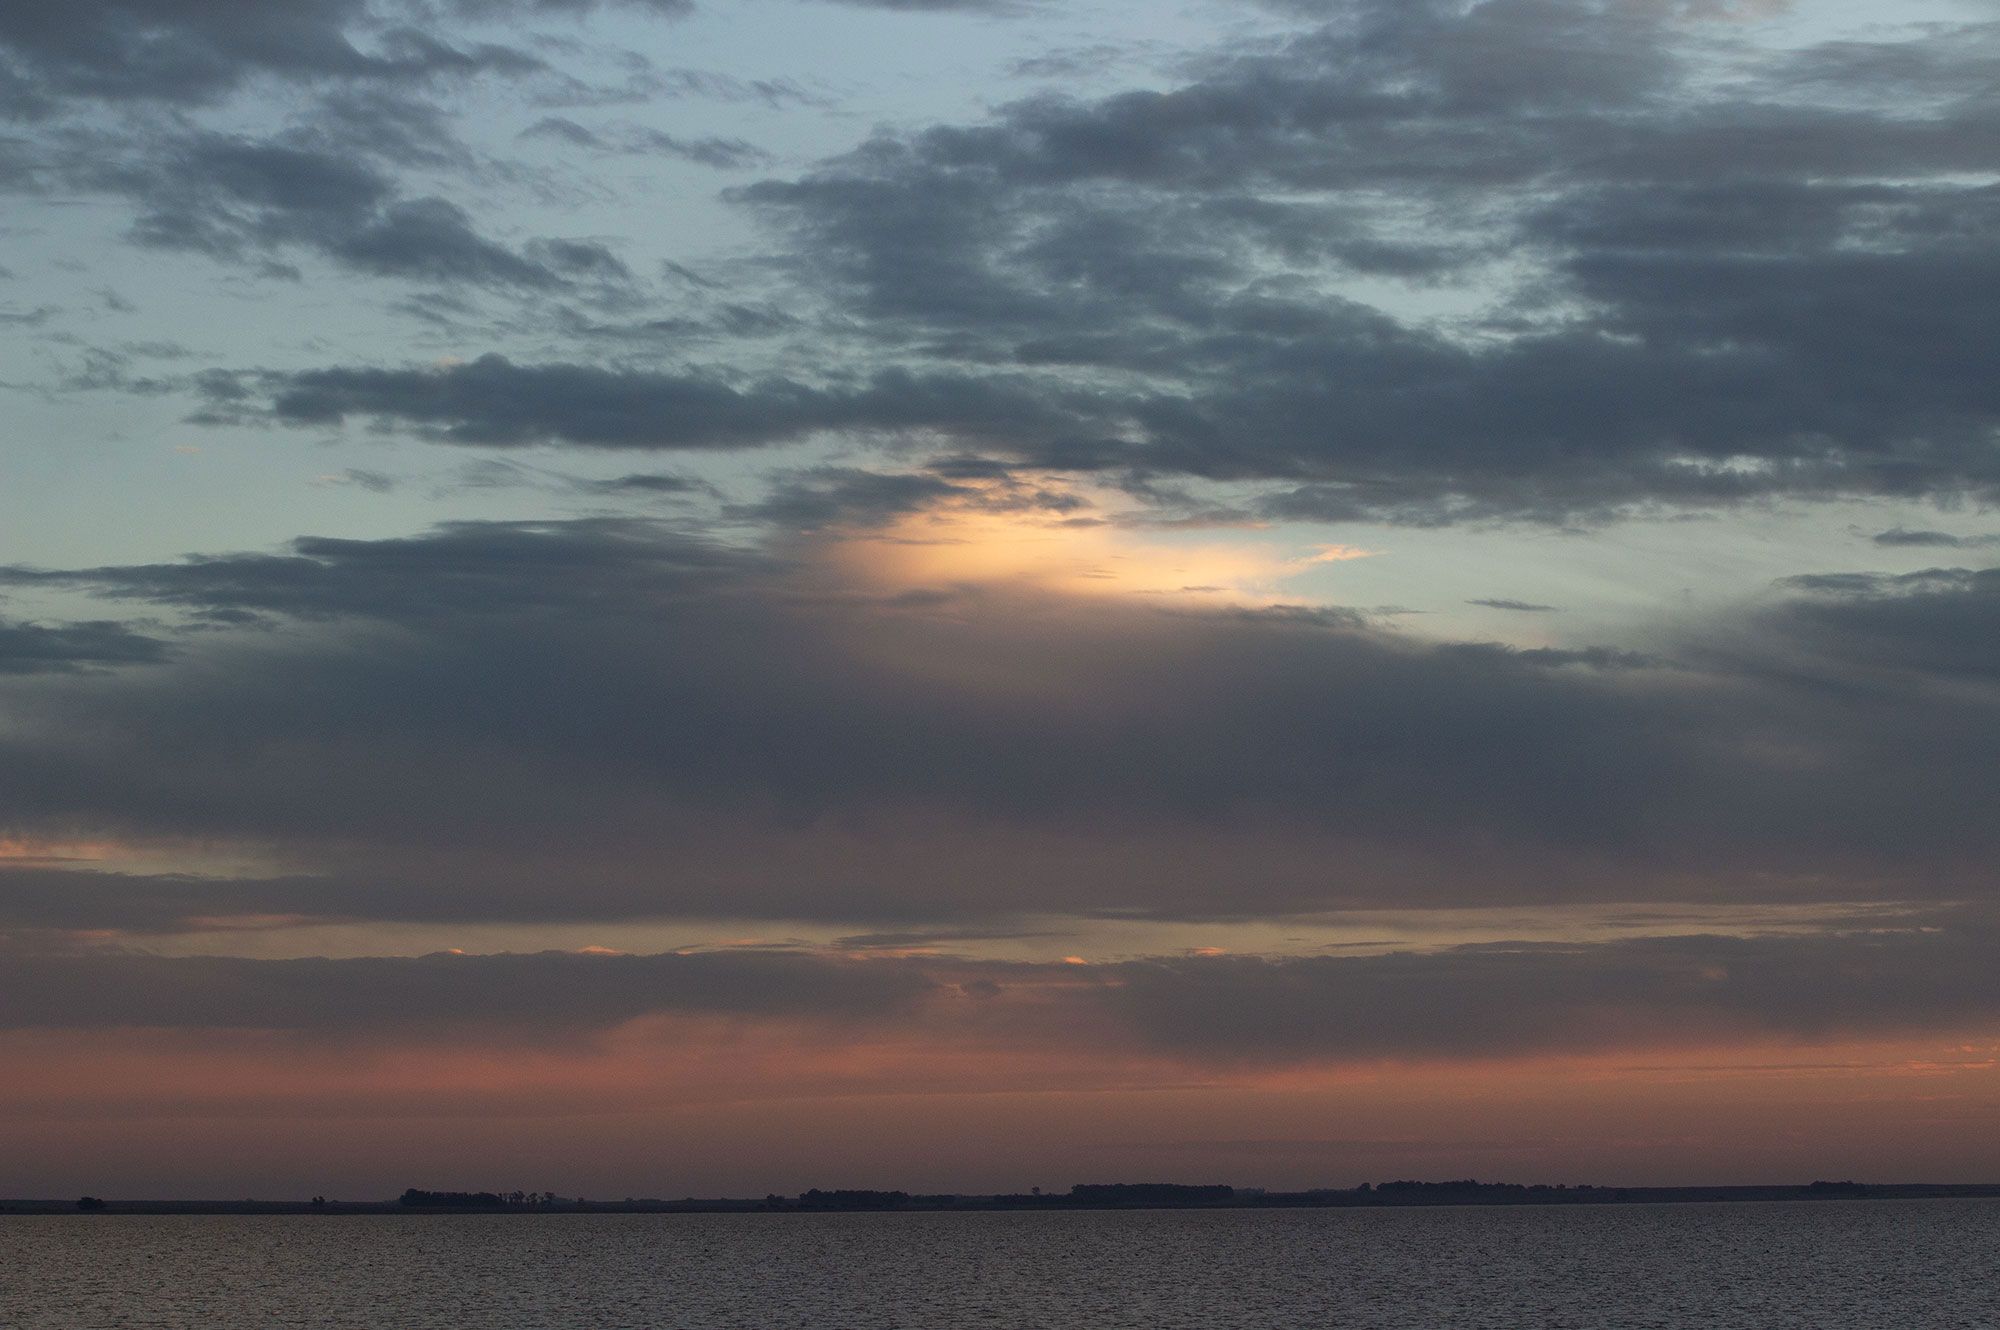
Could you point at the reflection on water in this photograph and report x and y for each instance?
(1821, 1265)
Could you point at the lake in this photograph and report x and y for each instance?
(1929, 1264)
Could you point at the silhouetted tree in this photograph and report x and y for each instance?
(457, 1200)
(850, 1198)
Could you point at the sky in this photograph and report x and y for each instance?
(704, 597)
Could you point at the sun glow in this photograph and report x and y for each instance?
(987, 537)
(23, 851)
(196, 858)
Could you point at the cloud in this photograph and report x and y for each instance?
(995, 637)
(947, 6)
(375, 482)
(1510, 999)
(1659, 296)
(530, 719)
(1684, 299)
(493, 401)
(648, 482)
(1487, 1001)
(198, 51)
(359, 83)
(233, 197)
(330, 187)
(470, 567)
(32, 648)
(1941, 622)
(1516, 606)
(830, 496)
(521, 995)
(1903, 538)
(722, 153)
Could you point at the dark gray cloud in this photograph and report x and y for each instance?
(32, 648)
(651, 484)
(1904, 538)
(1469, 1001)
(381, 127)
(331, 187)
(601, 719)
(837, 496)
(464, 568)
(185, 52)
(713, 85)
(375, 482)
(115, 368)
(1515, 998)
(723, 153)
(1518, 606)
(235, 198)
(520, 995)
(1942, 622)
(832, 496)
(194, 51)
(365, 97)
(495, 473)
(36, 898)
(1768, 291)
(703, 320)
(493, 401)
(29, 318)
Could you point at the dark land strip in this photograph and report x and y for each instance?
(1096, 1196)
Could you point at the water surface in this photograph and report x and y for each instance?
(1898, 1264)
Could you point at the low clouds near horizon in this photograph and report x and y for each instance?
(667, 725)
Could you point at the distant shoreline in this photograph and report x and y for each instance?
(1140, 1196)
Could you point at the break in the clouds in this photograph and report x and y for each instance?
(1127, 549)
